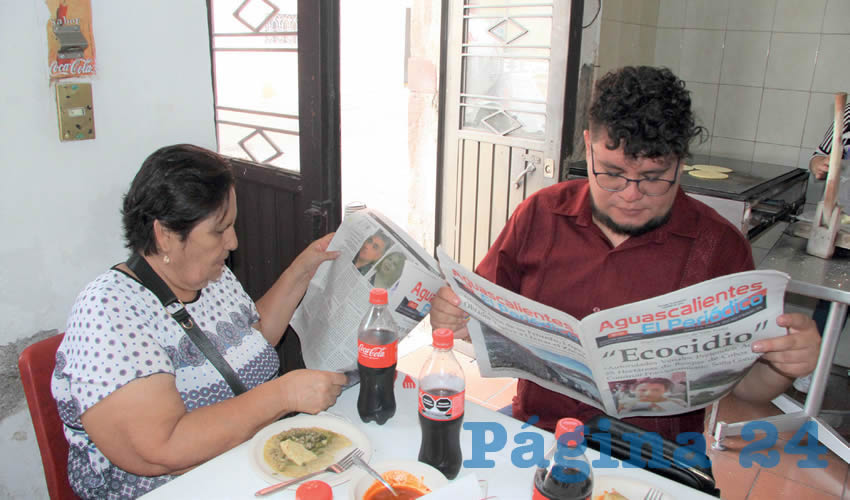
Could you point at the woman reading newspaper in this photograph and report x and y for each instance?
(625, 234)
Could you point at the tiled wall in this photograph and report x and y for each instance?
(762, 72)
(628, 34)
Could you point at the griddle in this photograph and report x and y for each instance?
(748, 180)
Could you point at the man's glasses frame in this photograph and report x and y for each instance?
(647, 186)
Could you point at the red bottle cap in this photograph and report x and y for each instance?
(378, 296)
(314, 490)
(443, 338)
(569, 425)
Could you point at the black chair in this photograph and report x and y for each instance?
(687, 467)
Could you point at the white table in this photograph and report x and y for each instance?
(231, 476)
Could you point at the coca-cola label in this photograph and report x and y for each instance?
(71, 67)
(439, 407)
(377, 356)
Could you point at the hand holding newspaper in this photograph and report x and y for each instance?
(661, 356)
(374, 252)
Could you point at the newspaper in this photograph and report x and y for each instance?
(337, 297)
(661, 356)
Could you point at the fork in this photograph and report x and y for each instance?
(653, 494)
(340, 466)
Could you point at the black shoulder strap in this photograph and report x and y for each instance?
(155, 284)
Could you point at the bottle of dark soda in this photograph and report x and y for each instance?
(377, 354)
(441, 401)
(569, 476)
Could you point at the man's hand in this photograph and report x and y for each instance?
(785, 358)
(796, 354)
(445, 313)
(819, 165)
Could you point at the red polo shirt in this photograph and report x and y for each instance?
(551, 251)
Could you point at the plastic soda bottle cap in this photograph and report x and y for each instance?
(378, 296)
(443, 338)
(354, 206)
(569, 426)
(314, 490)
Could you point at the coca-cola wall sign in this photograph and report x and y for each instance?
(70, 43)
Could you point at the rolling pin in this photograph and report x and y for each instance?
(833, 176)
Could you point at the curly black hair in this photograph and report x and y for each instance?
(646, 109)
(178, 185)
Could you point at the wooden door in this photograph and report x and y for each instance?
(275, 72)
(511, 73)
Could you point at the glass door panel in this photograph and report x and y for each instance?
(255, 57)
(505, 67)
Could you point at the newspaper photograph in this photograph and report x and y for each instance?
(374, 252)
(661, 356)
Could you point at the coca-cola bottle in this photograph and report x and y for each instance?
(377, 354)
(569, 476)
(441, 401)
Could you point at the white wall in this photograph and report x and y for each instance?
(59, 202)
(627, 34)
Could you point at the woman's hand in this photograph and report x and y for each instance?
(310, 391)
(305, 265)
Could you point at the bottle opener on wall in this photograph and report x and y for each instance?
(70, 43)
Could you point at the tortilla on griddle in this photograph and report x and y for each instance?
(713, 168)
(708, 174)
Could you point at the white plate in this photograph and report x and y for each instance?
(633, 489)
(331, 423)
(430, 476)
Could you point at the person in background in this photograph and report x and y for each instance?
(371, 250)
(627, 233)
(819, 166)
(140, 402)
(819, 162)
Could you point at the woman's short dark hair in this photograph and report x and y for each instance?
(646, 109)
(178, 185)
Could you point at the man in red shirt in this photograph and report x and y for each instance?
(625, 234)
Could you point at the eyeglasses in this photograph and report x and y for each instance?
(649, 186)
